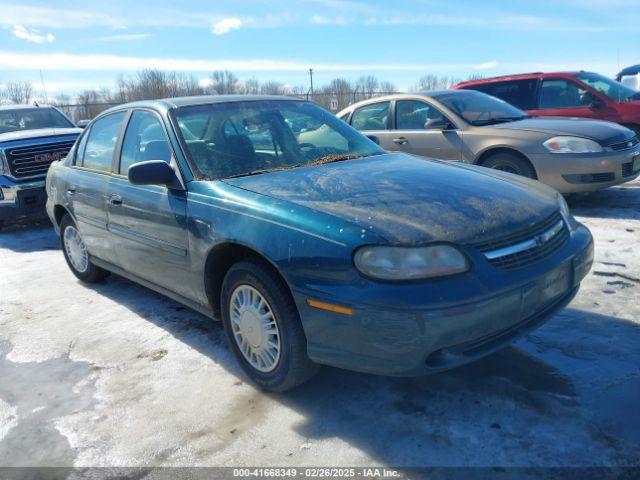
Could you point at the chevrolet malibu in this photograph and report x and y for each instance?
(572, 155)
(323, 251)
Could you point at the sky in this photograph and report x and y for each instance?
(74, 45)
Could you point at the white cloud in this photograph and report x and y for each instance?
(126, 37)
(23, 33)
(226, 25)
(115, 63)
(486, 65)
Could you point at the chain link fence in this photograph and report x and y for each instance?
(332, 101)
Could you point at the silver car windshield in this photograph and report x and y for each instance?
(235, 139)
(478, 108)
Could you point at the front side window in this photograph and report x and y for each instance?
(101, 142)
(478, 108)
(560, 93)
(371, 117)
(18, 119)
(417, 115)
(144, 140)
(612, 89)
(242, 138)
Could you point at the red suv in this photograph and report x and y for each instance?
(567, 94)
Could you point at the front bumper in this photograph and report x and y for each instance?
(574, 173)
(450, 323)
(22, 200)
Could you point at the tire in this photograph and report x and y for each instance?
(292, 366)
(89, 274)
(510, 162)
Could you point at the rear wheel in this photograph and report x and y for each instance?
(263, 327)
(76, 255)
(510, 162)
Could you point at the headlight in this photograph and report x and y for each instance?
(564, 211)
(572, 145)
(410, 263)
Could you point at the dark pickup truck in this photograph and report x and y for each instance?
(31, 138)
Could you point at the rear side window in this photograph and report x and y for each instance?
(144, 140)
(560, 93)
(371, 117)
(101, 142)
(519, 93)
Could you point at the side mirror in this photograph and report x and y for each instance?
(590, 100)
(438, 124)
(152, 172)
(82, 123)
(374, 139)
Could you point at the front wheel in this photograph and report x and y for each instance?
(76, 255)
(263, 327)
(509, 162)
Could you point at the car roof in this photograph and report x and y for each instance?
(519, 76)
(177, 102)
(632, 70)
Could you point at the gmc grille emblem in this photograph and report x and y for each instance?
(47, 157)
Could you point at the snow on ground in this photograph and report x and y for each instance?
(116, 375)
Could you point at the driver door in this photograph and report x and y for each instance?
(149, 222)
(421, 129)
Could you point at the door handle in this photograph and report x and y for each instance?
(71, 190)
(115, 200)
(400, 140)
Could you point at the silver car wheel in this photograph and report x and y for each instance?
(75, 249)
(254, 328)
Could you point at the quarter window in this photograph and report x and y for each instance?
(371, 117)
(101, 142)
(144, 140)
(560, 93)
(416, 115)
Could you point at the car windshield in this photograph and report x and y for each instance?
(235, 139)
(17, 119)
(609, 87)
(478, 108)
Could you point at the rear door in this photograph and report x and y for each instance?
(88, 184)
(149, 222)
(420, 129)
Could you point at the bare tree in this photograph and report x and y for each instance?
(18, 92)
(251, 86)
(367, 86)
(224, 82)
(273, 88)
(475, 76)
(434, 82)
(387, 87)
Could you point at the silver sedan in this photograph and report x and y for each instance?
(570, 154)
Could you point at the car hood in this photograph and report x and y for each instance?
(410, 200)
(40, 132)
(598, 130)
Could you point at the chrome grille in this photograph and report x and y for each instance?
(35, 160)
(530, 245)
(624, 145)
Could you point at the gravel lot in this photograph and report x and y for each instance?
(116, 375)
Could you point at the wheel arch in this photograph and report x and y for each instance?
(483, 156)
(59, 211)
(220, 259)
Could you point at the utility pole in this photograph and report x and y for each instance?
(311, 79)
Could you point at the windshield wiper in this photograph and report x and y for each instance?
(319, 161)
(494, 120)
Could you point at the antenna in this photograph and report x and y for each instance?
(44, 89)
